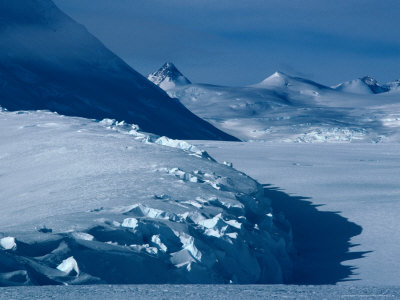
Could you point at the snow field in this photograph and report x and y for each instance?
(227, 291)
(102, 202)
(351, 191)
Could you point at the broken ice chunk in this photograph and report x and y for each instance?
(156, 240)
(69, 266)
(8, 243)
(130, 223)
(83, 236)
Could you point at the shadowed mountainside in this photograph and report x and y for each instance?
(50, 62)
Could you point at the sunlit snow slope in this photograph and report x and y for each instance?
(48, 61)
(101, 202)
(293, 109)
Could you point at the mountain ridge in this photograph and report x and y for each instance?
(50, 62)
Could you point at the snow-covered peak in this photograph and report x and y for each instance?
(168, 77)
(369, 80)
(363, 85)
(278, 79)
(374, 86)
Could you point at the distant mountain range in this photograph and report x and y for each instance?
(293, 109)
(50, 62)
(169, 77)
(367, 85)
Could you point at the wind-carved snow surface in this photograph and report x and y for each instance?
(291, 109)
(103, 202)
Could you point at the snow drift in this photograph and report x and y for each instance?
(103, 202)
(48, 61)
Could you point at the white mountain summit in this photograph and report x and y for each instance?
(168, 77)
(280, 80)
(364, 85)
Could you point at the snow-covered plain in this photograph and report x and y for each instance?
(101, 202)
(127, 292)
(361, 182)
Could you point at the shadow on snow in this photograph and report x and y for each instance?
(321, 239)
